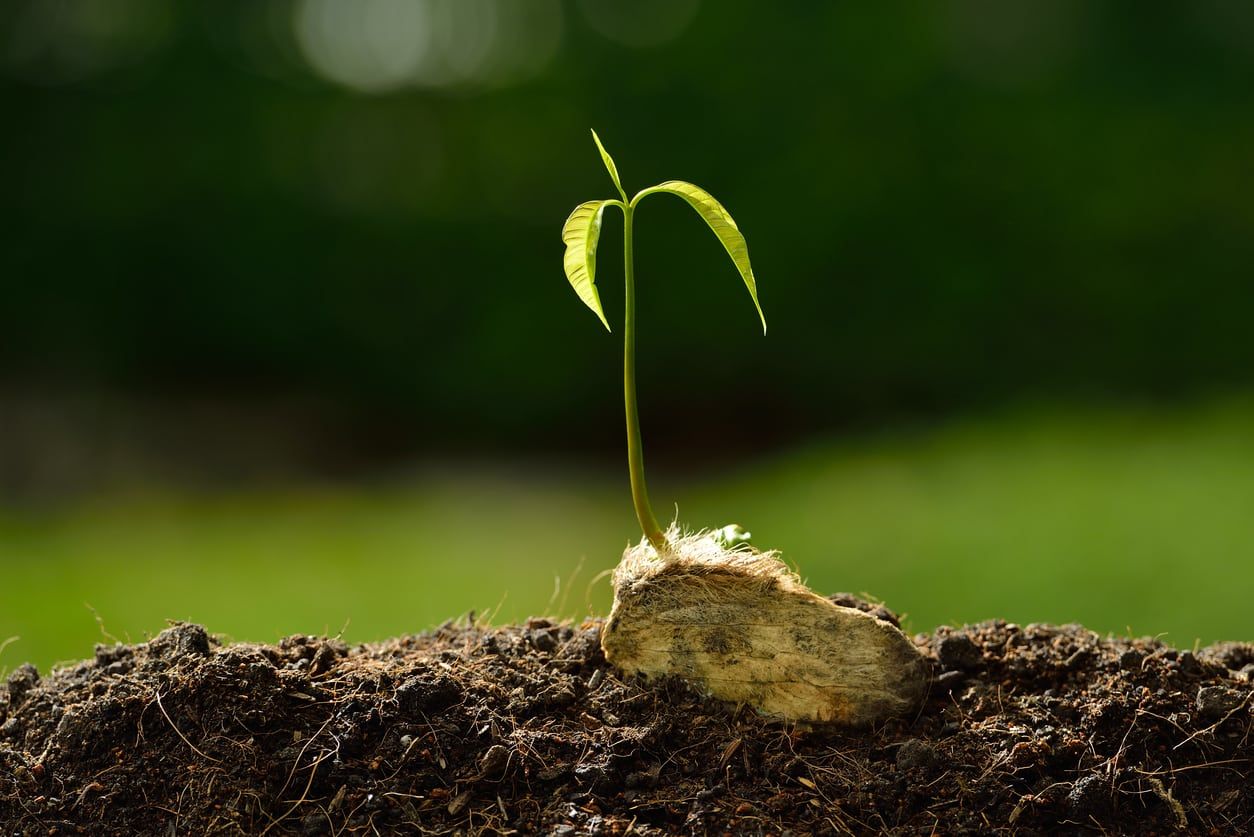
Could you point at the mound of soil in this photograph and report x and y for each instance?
(525, 729)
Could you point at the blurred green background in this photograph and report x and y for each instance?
(286, 345)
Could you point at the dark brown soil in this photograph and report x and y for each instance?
(524, 729)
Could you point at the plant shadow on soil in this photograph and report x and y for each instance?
(526, 729)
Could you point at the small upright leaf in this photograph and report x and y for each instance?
(581, 233)
(609, 164)
(721, 223)
(732, 535)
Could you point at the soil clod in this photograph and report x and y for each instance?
(1217, 701)
(21, 681)
(958, 652)
(178, 641)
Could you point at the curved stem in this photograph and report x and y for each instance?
(635, 453)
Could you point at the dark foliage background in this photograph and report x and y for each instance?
(948, 206)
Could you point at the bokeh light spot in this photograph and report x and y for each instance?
(370, 45)
(381, 45)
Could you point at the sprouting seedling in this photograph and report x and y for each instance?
(581, 233)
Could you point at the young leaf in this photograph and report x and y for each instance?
(609, 165)
(581, 233)
(721, 223)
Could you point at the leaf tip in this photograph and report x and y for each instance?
(601, 314)
(609, 164)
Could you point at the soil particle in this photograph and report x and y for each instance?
(1188, 663)
(1086, 797)
(21, 681)
(494, 761)
(1216, 701)
(958, 653)
(916, 755)
(179, 641)
(525, 729)
(1233, 656)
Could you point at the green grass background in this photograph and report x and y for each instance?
(1125, 520)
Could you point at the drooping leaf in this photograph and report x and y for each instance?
(721, 223)
(609, 163)
(581, 232)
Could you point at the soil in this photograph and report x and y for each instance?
(525, 729)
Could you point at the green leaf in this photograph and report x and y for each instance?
(581, 232)
(609, 164)
(721, 223)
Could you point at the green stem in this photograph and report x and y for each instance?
(635, 452)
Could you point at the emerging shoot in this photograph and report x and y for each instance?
(581, 233)
(708, 607)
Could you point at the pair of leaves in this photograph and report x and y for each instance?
(582, 232)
